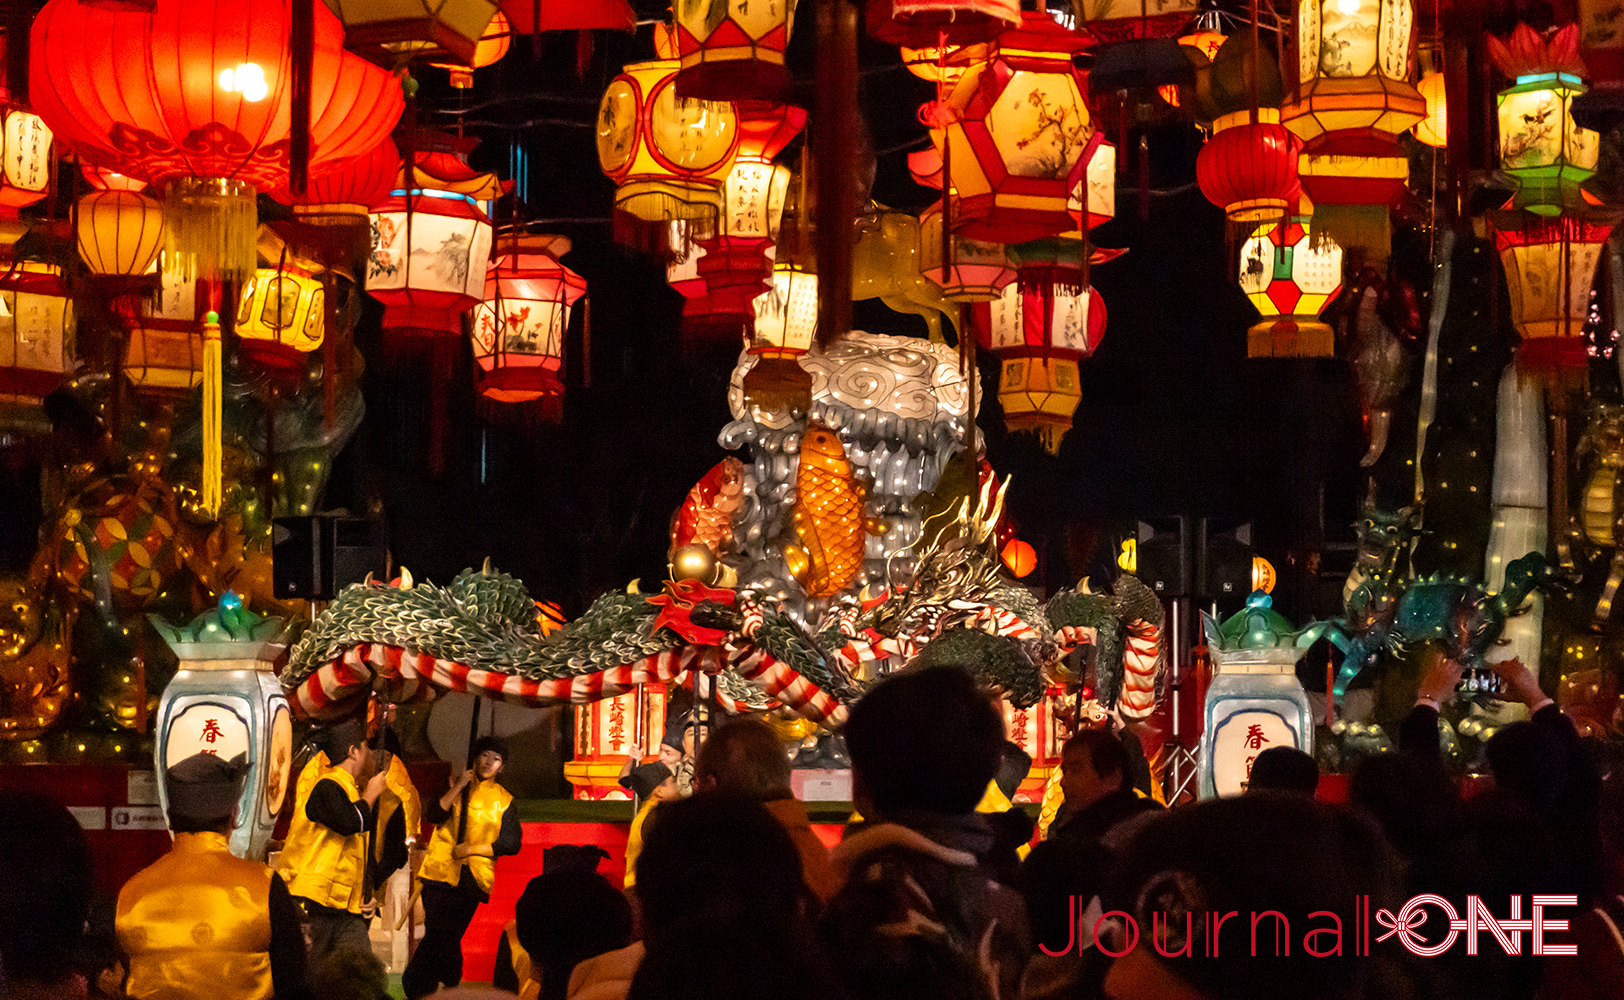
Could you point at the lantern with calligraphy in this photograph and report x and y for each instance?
(733, 49)
(605, 732)
(518, 330)
(1550, 266)
(1020, 135)
(387, 31)
(1353, 98)
(281, 317)
(735, 264)
(786, 320)
(1041, 327)
(1540, 146)
(427, 284)
(916, 23)
(164, 353)
(36, 330)
(493, 45)
(1037, 731)
(1255, 700)
(1290, 280)
(667, 155)
(225, 700)
(25, 163)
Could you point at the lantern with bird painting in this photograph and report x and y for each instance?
(1541, 147)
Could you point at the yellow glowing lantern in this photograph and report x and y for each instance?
(119, 232)
(1550, 265)
(944, 64)
(1205, 42)
(1434, 128)
(386, 31)
(493, 45)
(667, 155)
(787, 313)
(281, 317)
(1540, 145)
(1353, 63)
(36, 330)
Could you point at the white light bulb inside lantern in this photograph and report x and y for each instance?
(248, 80)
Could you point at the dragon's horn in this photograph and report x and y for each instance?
(405, 578)
(632, 588)
(1083, 587)
(486, 569)
(368, 581)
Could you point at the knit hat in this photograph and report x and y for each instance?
(645, 778)
(205, 788)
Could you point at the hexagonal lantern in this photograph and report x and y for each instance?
(1290, 280)
(1019, 134)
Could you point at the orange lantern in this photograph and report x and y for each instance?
(387, 31)
(493, 45)
(1020, 134)
(667, 155)
(605, 732)
(1434, 128)
(977, 272)
(1020, 557)
(518, 330)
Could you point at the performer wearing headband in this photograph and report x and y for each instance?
(201, 923)
(324, 860)
(475, 827)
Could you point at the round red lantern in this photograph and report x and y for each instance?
(1020, 557)
(348, 187)
(1019, 134)
(1249, 168)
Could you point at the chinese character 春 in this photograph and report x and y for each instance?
(211, 731)
(1255, 737)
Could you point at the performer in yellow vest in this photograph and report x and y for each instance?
(475, 826)
(200, 923)
(324, 859)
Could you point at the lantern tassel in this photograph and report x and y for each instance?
(213, 377)
(210, 225)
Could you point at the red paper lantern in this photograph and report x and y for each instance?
(518, 329)
(1020, 557)
(1249, 169)
(200, 88)
(1020, 134)
(348, 187)
(735, 265)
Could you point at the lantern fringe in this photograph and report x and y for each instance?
(209, 488)
(1363, 227)
(1290, 339)
(1049, 433)
(778, 385)
(655, 237)
(210, 225)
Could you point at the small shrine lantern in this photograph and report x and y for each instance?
(36, 330)
(386, 31)
(1540, 146)
(1550, 266)
(667, 155)
(164, 353)
(281, 317)
(1290, 280)
(225, 700)
(1020, 135)
(426, 286)
(605, 732)
(733, 50)
(518, 330)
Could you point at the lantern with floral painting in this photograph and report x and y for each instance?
(1353, 98)
(667, 155)
(386, 32)
(36, 330)
(1041, 327)
(1019, 135)
(733, 50)
(1550, 266)
(1540, 146)
(281, 317)
(916, 23)
(431, 242)
(1289, 281)
(518, 329)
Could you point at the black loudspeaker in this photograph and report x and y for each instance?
(1224, 557)
(1163, 556)
(316, 557)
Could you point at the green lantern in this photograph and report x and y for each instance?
(1540, 145)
